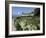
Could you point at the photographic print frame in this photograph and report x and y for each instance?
(9, 4)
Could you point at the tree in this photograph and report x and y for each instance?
(37, 11)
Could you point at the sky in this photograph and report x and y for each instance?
(19, 10)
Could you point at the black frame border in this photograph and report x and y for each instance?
(7, 18)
